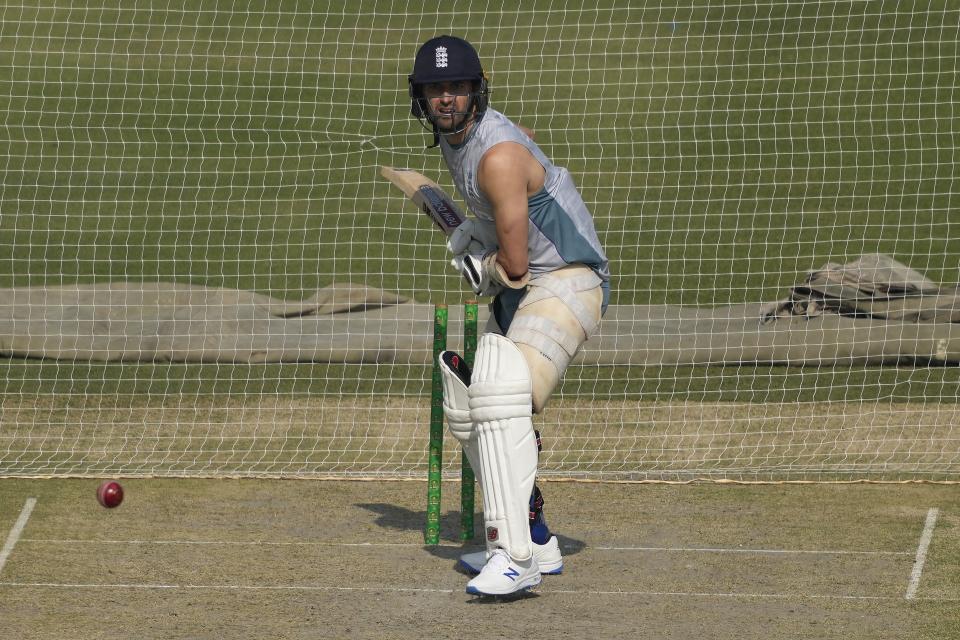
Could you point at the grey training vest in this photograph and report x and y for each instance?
(561, 230)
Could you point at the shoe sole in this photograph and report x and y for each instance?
(519, 591)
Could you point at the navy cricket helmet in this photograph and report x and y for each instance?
(446, 59)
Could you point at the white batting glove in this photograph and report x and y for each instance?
(485, 275)
(476, 275)
(472, 236)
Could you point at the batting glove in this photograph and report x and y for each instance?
(484, 274)
(472, 236)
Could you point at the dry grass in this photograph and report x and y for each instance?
(363, 436)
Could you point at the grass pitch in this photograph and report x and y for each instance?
(255, 558)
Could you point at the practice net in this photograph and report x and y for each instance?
(725, 152)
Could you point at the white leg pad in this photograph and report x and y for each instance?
(501, 410)
(456, 409)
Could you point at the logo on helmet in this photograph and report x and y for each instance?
(441, 58)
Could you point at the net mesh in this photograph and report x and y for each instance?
(724, 152)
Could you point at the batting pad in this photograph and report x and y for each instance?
(501, 409)
(455, 375)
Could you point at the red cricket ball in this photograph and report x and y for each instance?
(110, 494)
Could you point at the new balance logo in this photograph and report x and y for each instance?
(511, 573)
(442, 59)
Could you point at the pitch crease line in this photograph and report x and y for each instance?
(252, 543)
(415, 545)
(223, 587)
(574, 592)
(15, 532)
(922, 548)
(827, 552)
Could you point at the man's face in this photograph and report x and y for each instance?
(448, 102)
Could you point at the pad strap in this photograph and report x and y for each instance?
(547, 337)
(565, 290)
(543, 333)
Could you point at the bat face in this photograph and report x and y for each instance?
(427, 195)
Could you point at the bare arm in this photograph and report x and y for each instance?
(508, 175)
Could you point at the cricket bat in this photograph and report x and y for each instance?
(426, 194)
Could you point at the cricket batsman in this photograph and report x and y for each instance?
(531, 245)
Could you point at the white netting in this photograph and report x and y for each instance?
(724, 151)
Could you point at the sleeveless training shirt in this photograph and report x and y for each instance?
(561, 230)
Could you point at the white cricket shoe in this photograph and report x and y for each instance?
(547, 555)
(502, 576)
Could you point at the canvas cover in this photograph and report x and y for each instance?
(873, 310)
